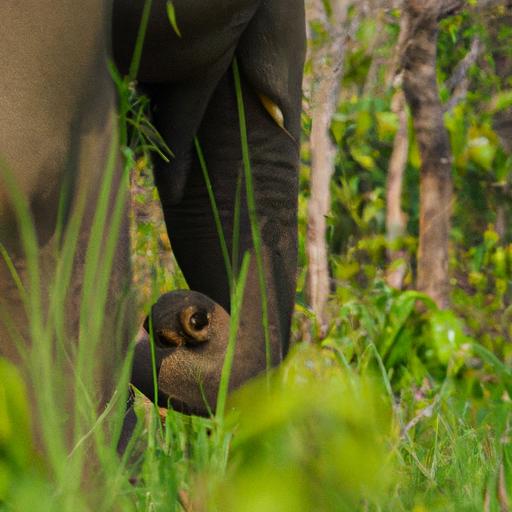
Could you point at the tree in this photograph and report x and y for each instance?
(327, 59)
(396, 220)
(422, 95)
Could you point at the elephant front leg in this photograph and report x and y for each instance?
(195, 241)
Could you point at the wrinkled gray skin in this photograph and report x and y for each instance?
(190, 333)
(57, 103)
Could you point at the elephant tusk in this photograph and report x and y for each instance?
(275, 112)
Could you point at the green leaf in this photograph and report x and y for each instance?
(338, 129)
(455, 124)
(401, 309)
(453, 33)
(364, 122)
(362, 158)
(499, 259)
(414, 154)
(502, 371)
(482, 152)
(502, 167)
(367, 32)
(501, 101)
(387, 125)
(171, 14)
(321, 439)
(15, 433)
(446, 334)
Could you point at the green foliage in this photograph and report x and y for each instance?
(365, 125)
(404, 333)
(16, 450)
(316, 439)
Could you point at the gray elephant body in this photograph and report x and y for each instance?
(58, 111)
(58, 104)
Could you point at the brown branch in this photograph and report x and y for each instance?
(458, 82)
(396, 63)
(450, 7)
(461, 69)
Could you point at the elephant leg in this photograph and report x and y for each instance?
(274, 162)
(75, 317)
(187, 102)
(57, 133)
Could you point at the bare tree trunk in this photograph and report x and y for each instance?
(327, 70)
(396, 220)
(501, 221)
(502, 121)
(421, 92)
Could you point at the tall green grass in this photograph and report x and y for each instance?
(61, 369)
(81, 468)
(251, 206)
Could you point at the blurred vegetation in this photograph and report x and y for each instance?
(401, 406)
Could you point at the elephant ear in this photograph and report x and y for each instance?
(271, 54)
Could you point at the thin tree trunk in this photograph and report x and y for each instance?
(327, 70)
(458, 83)
(502, 121)
(421, 92)
(396, 220)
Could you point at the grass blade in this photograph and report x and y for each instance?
(251, 206)
(236, 306)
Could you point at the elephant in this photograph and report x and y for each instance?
(58, 135)
(191, 334)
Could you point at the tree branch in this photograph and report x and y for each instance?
(450, 7)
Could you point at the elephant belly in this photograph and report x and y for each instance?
(209, 33)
